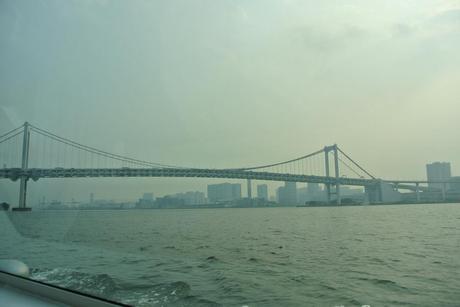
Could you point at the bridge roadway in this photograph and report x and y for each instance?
(37, 173)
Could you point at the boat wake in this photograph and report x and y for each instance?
(102, 285)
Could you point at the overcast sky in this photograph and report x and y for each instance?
(236, 83)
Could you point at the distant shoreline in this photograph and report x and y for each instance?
(248, 207)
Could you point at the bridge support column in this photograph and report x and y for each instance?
(22, 196)
(326, 167)
(417, 192)
(337, 175)
(249, 189)
(24, 166)
(443, 191)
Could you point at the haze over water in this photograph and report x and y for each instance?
(374, 255)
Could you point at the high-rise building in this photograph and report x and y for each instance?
(224, 192)
(287, 195)
(291, 192)
(262, 191)
(147, 197)
(302, 195)
(192, 198)
(146, 201)
(236, 191)
(454, 189)
(438, 171)
(454, 183)
(279, 194)
(314, 192)
(313, 189)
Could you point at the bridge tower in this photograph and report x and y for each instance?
(335, 152)
(249, 185)
(326, 166)
(24, 166)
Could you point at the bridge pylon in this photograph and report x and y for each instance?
(335, 152)
(249, 187)
(24, 166)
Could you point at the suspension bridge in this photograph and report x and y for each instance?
(29, 152)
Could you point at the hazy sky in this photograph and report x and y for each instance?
(234, 83)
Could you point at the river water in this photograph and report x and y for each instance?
(330, 256)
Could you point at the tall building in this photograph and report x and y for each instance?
(148, 197)
(438, 171)
(315, 192)
(287, 195)
(313, 189)
(311, 192)
(262, 191)
(192, 198)
(454, 183)
(302, 195)
(454, 189)
(223, 192)
(146, 201)
(279, 194)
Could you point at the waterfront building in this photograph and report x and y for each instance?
(262, 191)
(224, 192)
(314, 190)
(453, 194)
(302, 195)
(384, 192)
(454, 183)
(192, 197)
(147, 201)
(148, 197)
(287, 195)
(389, 193)
(169, 201)
(438, 171)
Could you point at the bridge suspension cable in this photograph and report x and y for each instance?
(96, 151)
(352, 161)
(11, 134)
(281, 163)
(58, 152)
(9, 149)
(349, 167)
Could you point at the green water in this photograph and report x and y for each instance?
(351, 256)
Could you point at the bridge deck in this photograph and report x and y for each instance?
(35, 174)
